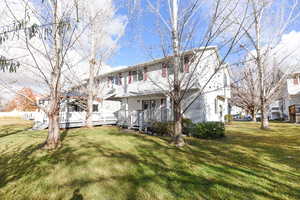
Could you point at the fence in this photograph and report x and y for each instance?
(23, 115)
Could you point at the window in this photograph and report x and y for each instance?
(120, 79)
(112, 80)
(145, 73)
(225, 80)
(134, 76)
(170, 69)
(216, 105)
(140, 75)
(109, 81)
(163, 111)
(129, 77)
(181, 66)
(296, 80)
(117, 79)
(186, 64)
(164, 70)
(95, 108)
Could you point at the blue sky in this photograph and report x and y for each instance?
(132, 50)
(141, 41)
(138, 35)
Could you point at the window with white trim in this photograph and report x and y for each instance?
(134, 76)
(296, 79)
(225, 80)
(140, 75)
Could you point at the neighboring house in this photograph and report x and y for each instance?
(288, 106)
(2, 105)
(276, 110)
(141, 89)
(237, 112)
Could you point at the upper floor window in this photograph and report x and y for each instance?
(134, 76)
(145, 73)
(115, 80)
(140, 75)
(164, 70)
(186, 64)
(170, 68)
(119, 79)
(110, 80)
(296, 79)
(95, 108)
(225, 80)
(129, 77)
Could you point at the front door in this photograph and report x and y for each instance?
(164, 113)
(148, 109)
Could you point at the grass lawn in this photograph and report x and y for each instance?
(108, 163)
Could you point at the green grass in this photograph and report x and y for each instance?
(108, 163)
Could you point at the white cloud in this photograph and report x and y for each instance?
(288, 50)
(77, 59)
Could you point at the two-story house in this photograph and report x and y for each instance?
(287, 107)
(143, 90)
(292, 97)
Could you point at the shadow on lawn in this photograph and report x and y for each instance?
(198, 171)
(151, 167)
(28, 162)
(10, 130)
(15, 165)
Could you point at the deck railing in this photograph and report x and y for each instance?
(142, 118)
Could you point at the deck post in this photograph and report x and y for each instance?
(169, 108)
(141, 120)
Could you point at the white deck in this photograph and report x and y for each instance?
(76, 119)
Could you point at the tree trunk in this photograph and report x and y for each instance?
(264, 113)
(253, 115)
(91, 81)
(53, 139)
(261, 74)
(89, 122)
(264, 117)
(177, 137)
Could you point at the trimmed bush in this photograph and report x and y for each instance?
(166, 128)
(209, 130)
(187, 126)
(206, 130)
(162, 128)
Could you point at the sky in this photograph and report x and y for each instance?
(140, 41)
(135, 44)
(137, 40)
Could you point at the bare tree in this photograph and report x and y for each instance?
(185, 25)
(45, 37)
(267, 21)
(245, 90)
(104, 28)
